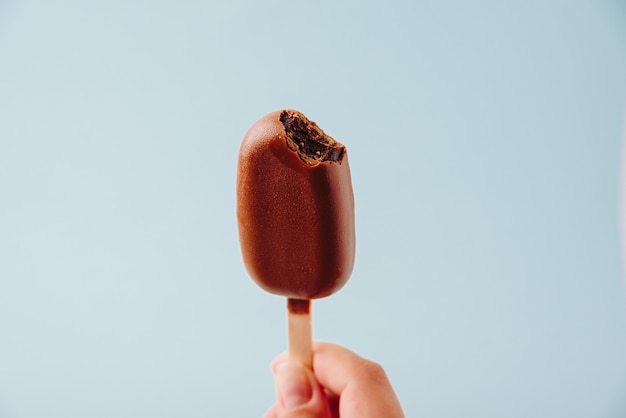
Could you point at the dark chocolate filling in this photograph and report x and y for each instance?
(311, 144)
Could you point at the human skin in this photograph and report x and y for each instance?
(341, 385)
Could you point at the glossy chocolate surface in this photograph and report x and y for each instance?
(295, 207)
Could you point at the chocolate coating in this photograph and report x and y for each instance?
(295, 207)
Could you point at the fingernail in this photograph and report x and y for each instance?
(294, 386)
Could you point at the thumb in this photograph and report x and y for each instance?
(299, 394)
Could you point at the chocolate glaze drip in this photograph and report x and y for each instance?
(299, 306)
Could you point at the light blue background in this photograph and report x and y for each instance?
(484, 140)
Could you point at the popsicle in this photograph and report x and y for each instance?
(295, 210)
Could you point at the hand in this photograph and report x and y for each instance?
(341, 385)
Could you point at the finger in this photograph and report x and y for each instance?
(362, 386)
(272, 413)
(279, 359)
(299, 394)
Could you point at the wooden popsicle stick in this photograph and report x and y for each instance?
(300, 331)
